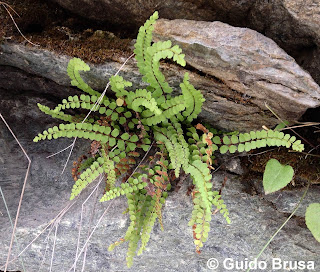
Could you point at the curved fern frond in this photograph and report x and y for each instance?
(141, 97)
(153, 75)
(118, 85)
(74, 66)
(144, 39)
(201, 179)
(133, 185)
(193, 99)
(175, 145)
(89, 175)
(54, 114)
(170, 108)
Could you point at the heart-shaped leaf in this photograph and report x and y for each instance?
(313, 219)
(276, 176)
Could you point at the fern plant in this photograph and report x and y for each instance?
(124, 127)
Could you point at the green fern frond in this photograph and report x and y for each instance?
(89, 175)
(85, 102)
(201, 179)
(141, 97)
(94, 132)
(257, 139)
(54, 114)
(176, 150)
(144, 39)
(118, 85)
(133, 185)
(193, 99)
(74, 66)
(153, 75)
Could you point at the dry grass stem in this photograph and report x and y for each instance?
(22, 192)
(81, 217)
(7, 7)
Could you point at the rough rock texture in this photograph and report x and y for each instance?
(254, 219)
(235, 77)
(285, 201)
(223, 108)
(39, 76)
(132, 14)
(293, 24)
(247, 62)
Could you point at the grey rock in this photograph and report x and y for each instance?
(54, 66)
(133, 14)
(247, 62)
(233, 165)
(285, 201)
(253, 221)
(293, 24)
(47, 192)
(235, 104)
(218, 109)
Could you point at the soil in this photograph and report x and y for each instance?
(306, 165)
(52, 28)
